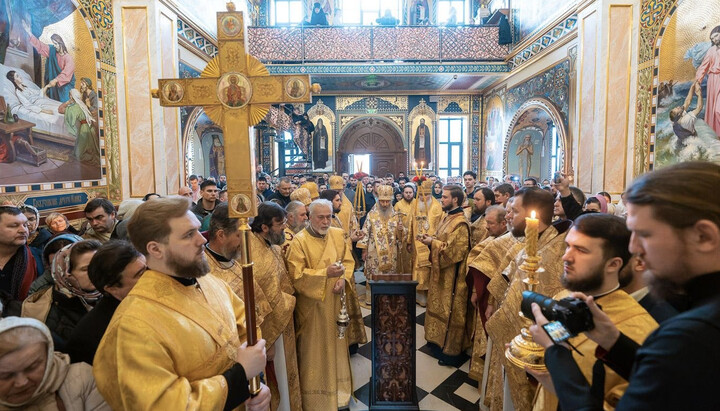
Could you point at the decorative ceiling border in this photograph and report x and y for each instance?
(202, 42)
(552, 36)
(401, 68)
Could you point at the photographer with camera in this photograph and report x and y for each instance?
(674, 215)
(596, 250)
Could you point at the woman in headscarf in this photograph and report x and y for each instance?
(33, 377)
(37, 237)
(318, 17)
(62, 306)
(437, 189)
(52, 247)
(79, 122)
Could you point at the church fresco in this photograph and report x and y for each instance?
(688, 92)
(494, 135)
(51, 78)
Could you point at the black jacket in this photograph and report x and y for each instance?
(87, 334)
(676, 368)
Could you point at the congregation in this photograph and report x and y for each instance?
(142, 306)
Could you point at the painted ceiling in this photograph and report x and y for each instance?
(411, 84)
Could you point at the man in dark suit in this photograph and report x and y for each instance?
(674, 215)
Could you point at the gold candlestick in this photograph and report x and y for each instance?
(523, 350)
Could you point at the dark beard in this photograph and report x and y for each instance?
(448, 208)
(192, 269)
(276, 238)
(663, 289)
(585, 285)
(336, 210)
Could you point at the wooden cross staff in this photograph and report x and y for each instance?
(236, 92)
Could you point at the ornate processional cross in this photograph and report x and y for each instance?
(236, 91)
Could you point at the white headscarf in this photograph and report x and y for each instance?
(56, 368)
(77, 98)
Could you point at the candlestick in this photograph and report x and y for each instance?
(531, 235)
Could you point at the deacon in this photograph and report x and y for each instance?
(383, 233)
(505, 323)
(319, 263)
(274, 302)
(424, 219)
(176, 341)
(448, 293)
(347, 212)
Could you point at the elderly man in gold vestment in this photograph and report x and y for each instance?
(356, 329)
(424, 219)
(506, 291)
(319, 263)
(597, 249)
(297, 220)
(274, 299)
(448, 299)
(404, 208)
(383, 235)
(176, 341)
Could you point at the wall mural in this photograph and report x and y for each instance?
(323, 141)
(688, 92)
(494, 136)
(51, 80)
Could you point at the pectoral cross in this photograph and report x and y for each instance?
(236, 91)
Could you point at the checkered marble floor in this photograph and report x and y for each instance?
(439, 388)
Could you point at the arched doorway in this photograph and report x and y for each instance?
(377, 137)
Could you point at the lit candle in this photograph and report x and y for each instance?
(531, 235)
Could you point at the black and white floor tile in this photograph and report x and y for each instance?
(439, 388)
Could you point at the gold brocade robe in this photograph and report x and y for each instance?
(323, 359)
(427, 224)
(447, 300)
(289, 235)
(168, 344)
(505, 323)
(478, 231)
(631, 319)
(355, 332)
(347, 214)
(382, 240)
(405, 210)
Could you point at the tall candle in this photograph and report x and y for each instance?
(531, 234)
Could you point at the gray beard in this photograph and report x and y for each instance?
(424, 206)
(276, 238)
(385, 213)
(296, 229)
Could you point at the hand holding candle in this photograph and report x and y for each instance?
(531, 235)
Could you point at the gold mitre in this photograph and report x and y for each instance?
(385, 192)
(427, 186)
(312, 188)
(336, 182)
(302, 195)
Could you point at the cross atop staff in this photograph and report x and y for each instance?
(236, 91)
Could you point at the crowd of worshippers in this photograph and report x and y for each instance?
(118, 312)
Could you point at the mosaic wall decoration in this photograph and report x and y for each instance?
(454, 104)
(561, 30)
(74, 146)
(395, 68)
(204, 44)
(475, 133)
(678, 113)
(553, 84)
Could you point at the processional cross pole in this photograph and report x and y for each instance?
(236, 91)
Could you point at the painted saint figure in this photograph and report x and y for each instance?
(420, 13)
(422, 144)
(710, 67)
(320, 145)
(234, 94)
(525, 160)
(59, 66)
(89, 95)
(30, 100)
(79, 122)
(217, 158)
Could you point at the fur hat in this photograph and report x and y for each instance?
(302, 195)
(385, 193)
(336, 183)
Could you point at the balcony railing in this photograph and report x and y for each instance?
(375, 43)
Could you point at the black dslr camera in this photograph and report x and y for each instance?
(572, 313)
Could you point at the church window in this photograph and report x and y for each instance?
(365, 12)
(288, 12)
(452, 131)
(443, 10)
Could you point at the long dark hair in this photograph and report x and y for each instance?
(11, 76)
(56, 38)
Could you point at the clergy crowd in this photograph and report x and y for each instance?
(142, 306)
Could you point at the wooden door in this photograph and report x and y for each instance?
(377, 137)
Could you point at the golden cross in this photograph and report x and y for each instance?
(236, 91)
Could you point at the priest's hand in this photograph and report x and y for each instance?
(252, 358)
(260, 402)
(489, 311)
(562, 184)
(473, 299)
(426, 239)
(364, 254)
(339, 285)
(335, 270)
(605, 333)
(356, 236)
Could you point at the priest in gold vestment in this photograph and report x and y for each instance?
(319, 263)
(597, 249)
(175, 342)
(505, 323)
(356, 329)
(482, 199)
(446, 316)
(296, 221)
(404, 208)
(424, 219)
(383, 233)
(274, 300)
